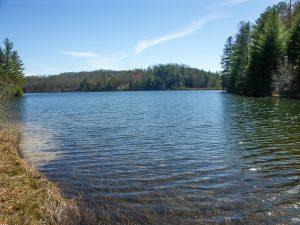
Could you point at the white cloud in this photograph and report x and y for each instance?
(197, 25)
(79, 54)
(92, 61)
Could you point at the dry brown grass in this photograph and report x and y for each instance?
(26, 196)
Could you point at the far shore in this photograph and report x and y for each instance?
(275, 95)
(77, 91)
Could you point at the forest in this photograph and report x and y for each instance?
(158, 77)
(263, 59)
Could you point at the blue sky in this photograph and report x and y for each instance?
(54, 36)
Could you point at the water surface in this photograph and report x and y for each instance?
(169, 157)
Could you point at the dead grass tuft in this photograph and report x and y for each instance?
(26, 196)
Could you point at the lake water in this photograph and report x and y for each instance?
(169, 157)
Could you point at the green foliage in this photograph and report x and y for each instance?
(239, 59)
(257, 63)
(11, 72)
(265, 53)
(226, 63)
(158, 77)
(293, 50)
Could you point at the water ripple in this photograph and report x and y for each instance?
(190, 157)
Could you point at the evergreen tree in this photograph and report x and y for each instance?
(11, 70)
(293, 50)
(239, 58)
(226, 63)
(266, 58)
(267, 49)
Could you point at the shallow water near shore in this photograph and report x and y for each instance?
(173, 157)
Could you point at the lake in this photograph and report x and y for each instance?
(169, 157)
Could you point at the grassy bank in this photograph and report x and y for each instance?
(26, 196)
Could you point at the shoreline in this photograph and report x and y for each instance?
(273, 95)
(26, 195)
(76, 91)
(184, 89)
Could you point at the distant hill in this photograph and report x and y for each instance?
(158, 77)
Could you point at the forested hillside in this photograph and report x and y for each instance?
(159, 77)
(264, 58)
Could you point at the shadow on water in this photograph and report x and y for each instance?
(179, 157)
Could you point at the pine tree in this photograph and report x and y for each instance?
(226, 63)
(293, 50)
(239, 59)
(11, 70)
(266, 52)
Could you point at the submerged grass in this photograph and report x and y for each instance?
(26, 196)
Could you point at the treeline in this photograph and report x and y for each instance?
(159, 77)
(264, 58)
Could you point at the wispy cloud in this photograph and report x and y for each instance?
(94, 61)
(230, 2)
(79, 54)
(197, 25)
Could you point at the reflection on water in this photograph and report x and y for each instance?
(269, 130)
(180, 157)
